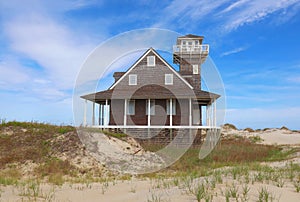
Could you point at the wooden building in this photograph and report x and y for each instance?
(152, 94)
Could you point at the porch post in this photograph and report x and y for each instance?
(84, 113)
(215, 113)
(125, 112)
(171, 112)
(106, 113)
(149, 113)
(93, 116)
(208, 115)
(99, 119)
(190, 111)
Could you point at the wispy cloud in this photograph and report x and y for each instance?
(246, 12)
(234, 51)
(225, 14)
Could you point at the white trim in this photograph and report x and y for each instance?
(163, 60)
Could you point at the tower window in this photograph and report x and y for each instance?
(132, 79)
(151, 61)
(195, 69)
(168, 79)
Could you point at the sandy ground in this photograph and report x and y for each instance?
(137, 190)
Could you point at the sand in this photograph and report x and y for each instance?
(137, 190)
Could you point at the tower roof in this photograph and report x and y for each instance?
(191, 36)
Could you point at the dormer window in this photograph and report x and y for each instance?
(132, 79)
(151, 61)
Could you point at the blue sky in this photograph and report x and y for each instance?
(254, 43)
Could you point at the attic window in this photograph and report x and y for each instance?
(168, 79)
(132, 79)
(151, 61)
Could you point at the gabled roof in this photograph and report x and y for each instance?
(162, 59)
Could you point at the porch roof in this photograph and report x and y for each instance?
(150, 92)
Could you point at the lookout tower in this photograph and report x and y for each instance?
(190, 53)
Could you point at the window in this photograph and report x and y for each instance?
(195, 69)
(132, 79)
(168, 79)
(196, 43)
(152, 107)
(173, 107)
(151, 61)
(183, 43)
(130, 107)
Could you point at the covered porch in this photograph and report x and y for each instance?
(128, 113)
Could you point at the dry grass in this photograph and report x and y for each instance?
(231, 151)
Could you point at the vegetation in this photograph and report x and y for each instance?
(235, 163)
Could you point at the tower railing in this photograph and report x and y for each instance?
(191, 49)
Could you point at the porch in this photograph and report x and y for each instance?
(151, 114)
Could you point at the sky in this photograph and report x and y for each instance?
(254, 44)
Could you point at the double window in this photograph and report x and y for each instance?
(152, 107)
(173, 107)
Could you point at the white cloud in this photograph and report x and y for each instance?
(12, 74)
(50, 44)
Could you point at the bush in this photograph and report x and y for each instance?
(250, 130)
(229, 126)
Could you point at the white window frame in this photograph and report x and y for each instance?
(151, 61)
(173, 107)
(195, 69)
(130, 107)
(132, 79)
(152, 107)
(169, 79)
